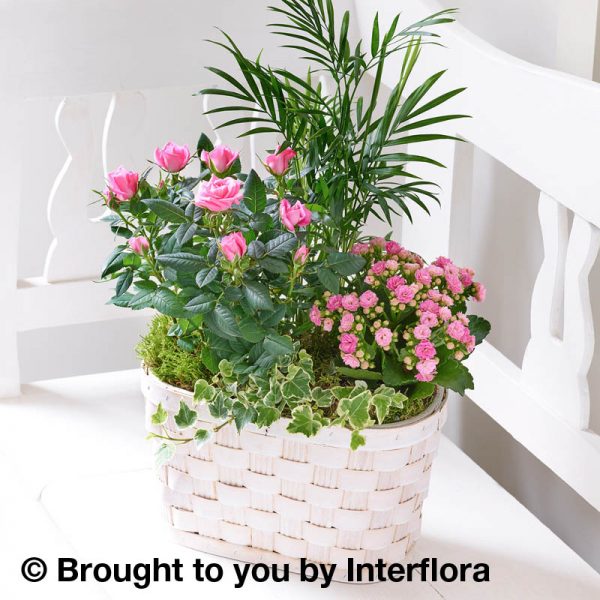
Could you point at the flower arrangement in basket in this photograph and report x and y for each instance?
(285, 336)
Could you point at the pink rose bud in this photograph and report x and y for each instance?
(218, 195)
(171, 157)
(123, 183)
(220, 159)
(233, 245)
(278, 164)
(301, 254)
(292, 216)
(138, 244)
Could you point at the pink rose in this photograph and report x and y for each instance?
(377, 242)
(171, 157)
(334, 302)
(424, 350)
(426, 370)
(292, 216)
(422, 332)
(218, 195)
(315, 315)
(428, 319)
(351, 361)
(301, 254)
(394, 282)
(480, 292)
(393, 248)
(220, 159)
(360, 248)
(350, 302)
(138, 244)
(123, 183)
(383, 337)
(404, 293)
(346, 322)
(457, 330)
(379, 267)
(348, 343)
(233, 245)
(423, 276)
(327, 324)
(368, 299)
(278, 164)
(429, 306)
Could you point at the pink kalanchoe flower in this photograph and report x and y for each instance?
(383, 337)
(411, 267)
(348, 343)
(359, 248)
(327, 324)
(123, 183)
(368, 299)
(219, 195)
(445, 313)
(278, 163)
(346, 322)
(315, 315)
(470, 343)
(428, 319)
(434, 295)
(466, 276)
(393, 248)
(350, 302)
(369, 280)
(425, 350)
(377, 242)
(334, 302)
(429, 306)
(351, 361)
(454, 284)
(442, 261)
(139, 244)
(233, 245)
(394, 281)
(171, 157)
(480, 291)
(379, 267)
(294, 216)
(422, 332)
(423, 276)
(391, 264)
(301, 254)
(446, 300)
(426, 370)
(457, 330)
(220, 159)
(435, 271)
(404, 293)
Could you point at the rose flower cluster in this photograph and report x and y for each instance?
(404, 307)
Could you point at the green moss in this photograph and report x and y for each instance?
(167, 360)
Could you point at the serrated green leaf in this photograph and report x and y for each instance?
(206, 276)
(329, 279)
(255, 193)
(454, 375)
(209, 359)
(186, 417)
(278, 345)
(166, 210)
(201, 304)
(124, 283)
(251, 330)
(182, 262)
(345, 264)
(168, 303)
(394, 373)
(282, 245)
(274, 265)
(257, 295)
(479, 327)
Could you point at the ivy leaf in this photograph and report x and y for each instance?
(219, 405)
(206, 276)
(255, 193)
(160, 416)
(266, 415)
(203, 391)
(164, 454)
(282, 245)
(454, 375)
(345, 264)
(201, 437)
(356, 409)
(258, 295)
(322, 398)
(394, 373)
(329, 279)
(305, 421)
(296, 384)
(242, 415)
(166, 210)
(479, 327)
(182, 262)
(357, 440)
(186, 417)
(382, 404)
(278, 345)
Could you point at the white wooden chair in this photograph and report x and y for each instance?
(544, 126)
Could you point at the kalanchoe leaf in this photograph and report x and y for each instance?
(201, 437)
(454, 375)
(479, 327)
(394, 373)
(186, 417)
(160, 416)
(421, 391)
(360, 373)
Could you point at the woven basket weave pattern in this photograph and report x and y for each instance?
(275, 492)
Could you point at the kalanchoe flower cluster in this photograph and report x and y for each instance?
(405, 308)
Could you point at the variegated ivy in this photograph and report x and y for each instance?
(287, 390)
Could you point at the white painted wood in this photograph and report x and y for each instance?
(467, 516)
(545, 405)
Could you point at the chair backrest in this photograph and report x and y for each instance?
(136, 64)
(544, 126)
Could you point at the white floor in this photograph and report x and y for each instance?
(76, 481)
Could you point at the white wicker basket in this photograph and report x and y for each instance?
(269, 496)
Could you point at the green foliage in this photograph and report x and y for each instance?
(352, 147)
